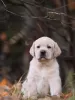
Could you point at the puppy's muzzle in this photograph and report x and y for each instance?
(43, 54)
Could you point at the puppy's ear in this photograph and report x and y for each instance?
(57, 50)
(32, 50)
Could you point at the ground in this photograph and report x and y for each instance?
(14, 93)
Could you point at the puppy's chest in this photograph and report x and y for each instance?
(43, 74)
(42, 83)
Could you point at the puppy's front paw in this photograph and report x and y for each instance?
(30, 97)
(55, 96)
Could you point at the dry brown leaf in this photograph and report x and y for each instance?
(68, 95)
(5, 82)
(4, 91)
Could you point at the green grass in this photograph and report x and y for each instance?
(71, 98)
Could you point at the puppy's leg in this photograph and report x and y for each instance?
(29, 89)
(55, 86)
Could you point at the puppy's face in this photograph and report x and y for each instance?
(45, 48)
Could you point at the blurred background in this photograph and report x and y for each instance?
(22, 22)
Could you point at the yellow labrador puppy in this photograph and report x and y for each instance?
(43, 77)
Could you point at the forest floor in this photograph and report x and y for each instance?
(14, 93)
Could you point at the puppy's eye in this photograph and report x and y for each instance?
(38, 46)
(48, 47)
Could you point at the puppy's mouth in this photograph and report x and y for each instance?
(43, 56)
(42, 59)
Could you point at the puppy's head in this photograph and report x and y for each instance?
(45, 48)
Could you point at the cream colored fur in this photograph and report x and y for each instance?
(43, 76)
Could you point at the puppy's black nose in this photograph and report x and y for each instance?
(43, 52)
